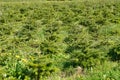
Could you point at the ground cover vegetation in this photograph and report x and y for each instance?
(48, 40)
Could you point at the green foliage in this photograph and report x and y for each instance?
(41, 38)
(114, 53)
(28, 65)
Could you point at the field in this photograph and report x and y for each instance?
(59, 40)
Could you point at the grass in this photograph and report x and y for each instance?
(48, 39)
(103, 72)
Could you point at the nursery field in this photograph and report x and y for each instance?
(60, 40)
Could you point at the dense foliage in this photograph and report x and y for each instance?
(39, 39)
